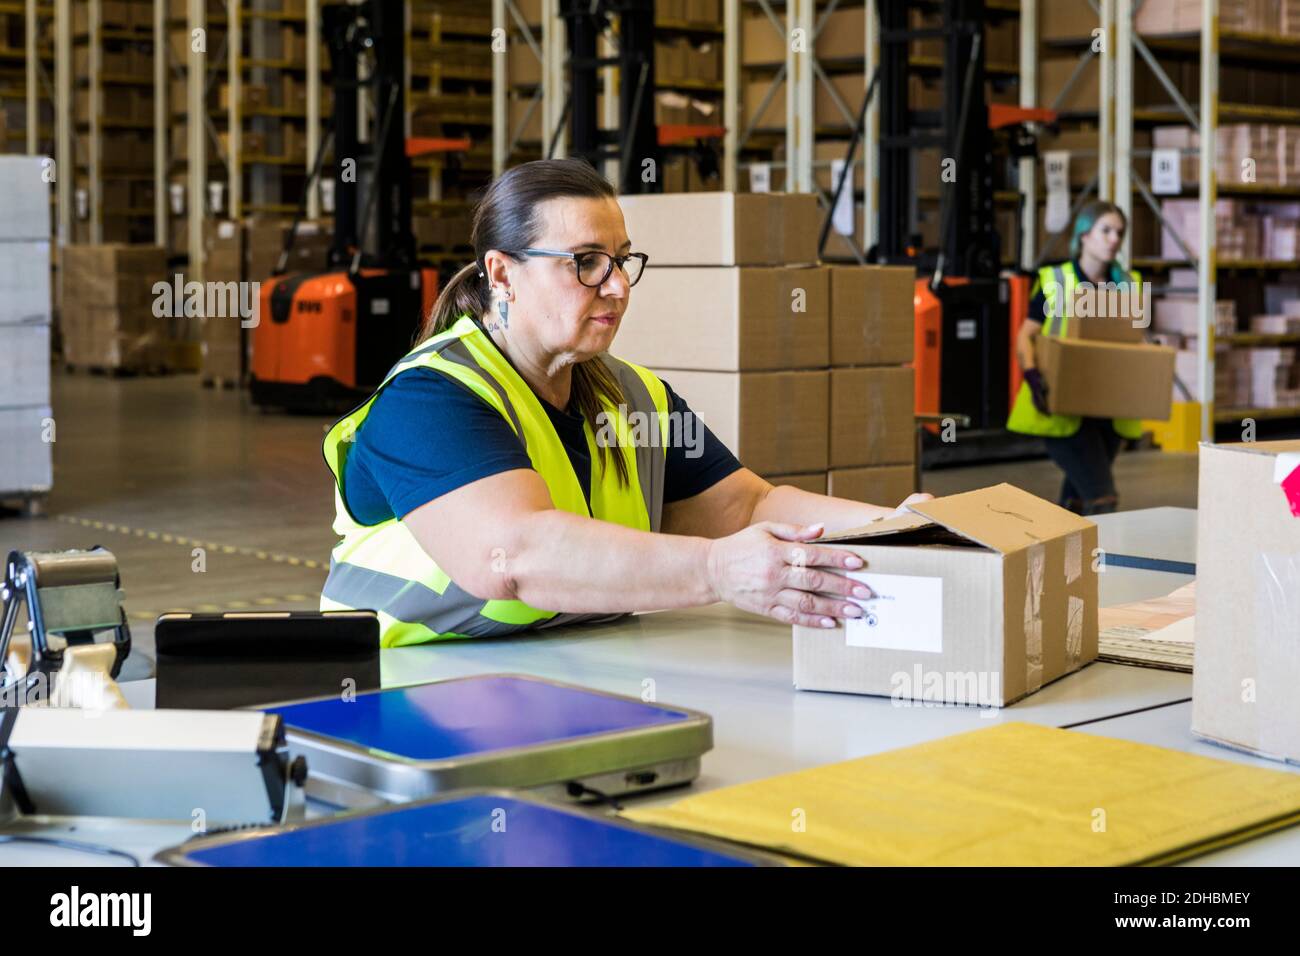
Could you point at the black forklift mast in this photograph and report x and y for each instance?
(970, 357)
(968, 241)
(372, 181)
(635, 141)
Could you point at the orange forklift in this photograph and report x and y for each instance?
(327, 337)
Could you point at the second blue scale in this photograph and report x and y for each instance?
(494, 730)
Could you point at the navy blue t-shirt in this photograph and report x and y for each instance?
(427, 434)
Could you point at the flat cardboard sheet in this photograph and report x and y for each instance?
(1157, 632)
(1013, 794)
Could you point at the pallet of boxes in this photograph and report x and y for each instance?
(108, 319)
(738, 318)
(26, 419)
(240, 259)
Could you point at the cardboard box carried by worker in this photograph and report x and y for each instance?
(981, 598)
(1102, 367)
(1248, 598)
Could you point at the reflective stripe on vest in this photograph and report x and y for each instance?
(1057, 284)
(383, 567)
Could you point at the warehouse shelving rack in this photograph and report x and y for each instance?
(96, 168)
(545, 42)
(1210, 46)
(273, 181)
(27, 77)
(450, 75)
(800, 73)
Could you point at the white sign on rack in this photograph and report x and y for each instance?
(1056, 172)
(842, 220)
(760, 178)
(1166, 174)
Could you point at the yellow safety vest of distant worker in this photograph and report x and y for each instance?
(383, 567)
(1057, 284)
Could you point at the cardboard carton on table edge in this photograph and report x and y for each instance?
(982, 598)
(1248, 600)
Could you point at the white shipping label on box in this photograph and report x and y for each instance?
(760, 178)
(905, 615)
(1056, 172)
(1166, 177)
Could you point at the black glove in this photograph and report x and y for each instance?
(1037, 389)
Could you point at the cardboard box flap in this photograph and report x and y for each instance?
(906, 530)
(1001, 517)
(882, 526)
(1280, 447)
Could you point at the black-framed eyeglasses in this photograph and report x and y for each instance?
(594, 268)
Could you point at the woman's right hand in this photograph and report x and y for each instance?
(770, 568)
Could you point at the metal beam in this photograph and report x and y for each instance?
(730, 94)
(1028, 173)
(799, 116)
(160, 108)
(313, 102)
(1123, 165)
(195, 133)
(1207, 272)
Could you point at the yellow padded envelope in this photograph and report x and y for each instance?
(1014, 794)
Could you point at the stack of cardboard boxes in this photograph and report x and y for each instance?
(779, 356)
(695, 12)
(678, 60)
(1157, 17)
(1243, 230)
(221, 338)
(108, 319)
(1263, 153)
(1269, 374)
(873, 427)
(25, 462)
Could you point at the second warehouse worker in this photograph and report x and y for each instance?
(1084, 448)
(494, 483)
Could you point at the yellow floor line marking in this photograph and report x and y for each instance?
(237, 604)
(216, 546)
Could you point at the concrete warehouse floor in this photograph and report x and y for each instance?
(153, 468)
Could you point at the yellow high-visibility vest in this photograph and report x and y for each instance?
(382, 567)
(1057, 285)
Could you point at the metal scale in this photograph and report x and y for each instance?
(493, 730)
(477, 828)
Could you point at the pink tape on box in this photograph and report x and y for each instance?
(1286, 472)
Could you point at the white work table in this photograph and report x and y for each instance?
(1150, 539)
(737, 668)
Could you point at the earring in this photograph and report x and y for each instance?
(504, 310)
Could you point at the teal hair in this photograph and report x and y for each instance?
(1083, 223)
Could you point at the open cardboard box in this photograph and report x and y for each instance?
(981, 598)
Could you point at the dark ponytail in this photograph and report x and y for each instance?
(507, 218)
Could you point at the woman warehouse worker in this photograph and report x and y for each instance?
(1084, 448)
(491, 483)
